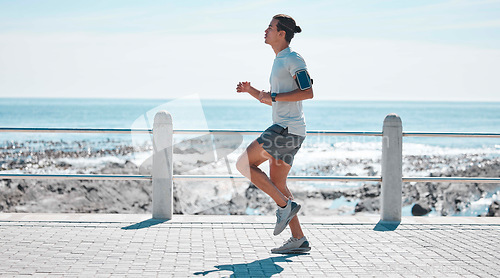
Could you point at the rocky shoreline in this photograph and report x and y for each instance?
(229, 197)
(444, 198)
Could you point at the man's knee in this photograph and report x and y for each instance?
(242, 164)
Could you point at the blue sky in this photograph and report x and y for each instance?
(355, 50)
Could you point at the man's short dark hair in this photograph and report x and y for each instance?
(287, 23)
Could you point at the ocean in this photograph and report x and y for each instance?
(350, 155)
(194, 113)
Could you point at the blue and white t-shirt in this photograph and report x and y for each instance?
(287, 113)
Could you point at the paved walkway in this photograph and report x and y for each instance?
(97, 245)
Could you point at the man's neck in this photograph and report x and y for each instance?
(280, 46)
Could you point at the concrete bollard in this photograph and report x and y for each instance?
(162, 172)
(392, 169)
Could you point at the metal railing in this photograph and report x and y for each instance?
(177, 177)
(162, 173)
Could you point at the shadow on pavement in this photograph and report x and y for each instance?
(260, 268)
(145, 224)
(386, 226)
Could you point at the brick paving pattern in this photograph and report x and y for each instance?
(232, 247)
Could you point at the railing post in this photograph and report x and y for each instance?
(162, 172)
(392, 169)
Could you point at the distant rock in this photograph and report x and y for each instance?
(494, 209)
(63, 164)
(368, 205)
(420, 209)
(236, 206)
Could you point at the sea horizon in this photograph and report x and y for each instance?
(249, 98)
(193, 112)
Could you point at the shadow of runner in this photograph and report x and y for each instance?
(145, 224)
(260, 268)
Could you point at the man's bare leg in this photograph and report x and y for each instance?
(279, 171)
(247, 165)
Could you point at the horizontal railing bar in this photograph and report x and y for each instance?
(177, 177)
(75, 130)
(244, 132)
(216, 177)
(73, 177)
(179, 131)
(218, 131)
(257, 132)
(335, 178)
(343, 133)
(295, 178)
(207, 177)
(451, 134)
(451, 179)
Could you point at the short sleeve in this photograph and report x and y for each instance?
(295, 63)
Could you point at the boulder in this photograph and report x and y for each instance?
(368, 205)
(420, 209)
(494, 209)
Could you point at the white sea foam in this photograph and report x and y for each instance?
(423, 149)
(91, 161)
(480, 206)
(138, 158)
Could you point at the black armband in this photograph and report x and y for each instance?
(303, 80)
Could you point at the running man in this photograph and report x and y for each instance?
(290, 84)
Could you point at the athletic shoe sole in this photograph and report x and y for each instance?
(293, 251)
(299, 250)
(293, 212)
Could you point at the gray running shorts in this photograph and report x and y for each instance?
(280, 144)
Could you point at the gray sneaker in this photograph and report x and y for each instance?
(293, 246)
(284, 215)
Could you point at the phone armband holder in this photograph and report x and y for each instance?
(303, 79)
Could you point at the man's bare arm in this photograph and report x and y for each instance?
(245, 87)
(295, 95)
